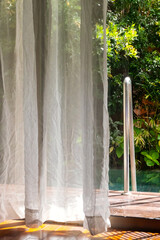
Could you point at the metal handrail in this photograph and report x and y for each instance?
(128, 136)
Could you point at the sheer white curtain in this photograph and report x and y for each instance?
(54, 131)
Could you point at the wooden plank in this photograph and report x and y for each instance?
(137, 204)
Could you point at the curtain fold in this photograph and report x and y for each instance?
(54, 117)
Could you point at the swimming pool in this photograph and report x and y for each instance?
(147, 181)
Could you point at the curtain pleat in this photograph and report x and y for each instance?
(54, 148)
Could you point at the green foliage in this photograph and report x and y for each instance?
(119, 39)
(147, 143)
(119, 151)
(151, 157)
(133, 39)
(119, 48)
(116, 142)
(145, 71)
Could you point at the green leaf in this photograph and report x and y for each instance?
(158, 137)
(119, 152)
(119, 139)
(156, 161)
(122, 145)
(155, 155)
(151, 152)
(144, 153)
(149, 162)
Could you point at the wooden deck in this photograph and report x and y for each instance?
(134, 216)
(137, 204)
(136, 211)
(16, 230)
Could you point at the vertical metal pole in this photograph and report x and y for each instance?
(126, 110)
(128, 136)
(132, 151)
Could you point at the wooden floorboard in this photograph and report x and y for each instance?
(138, 211)
(136, 204)
(16, 230)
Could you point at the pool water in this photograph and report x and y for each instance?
(147, 181)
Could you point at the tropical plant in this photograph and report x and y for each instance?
(147, 143)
